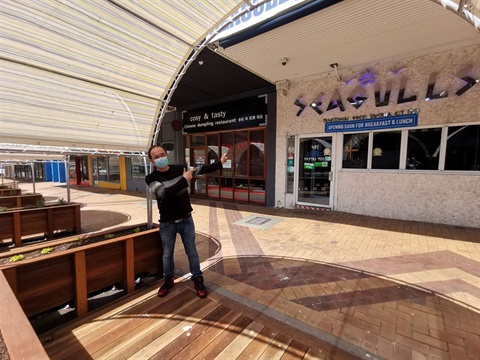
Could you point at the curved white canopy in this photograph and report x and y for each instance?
(90, 76)
(92, 73)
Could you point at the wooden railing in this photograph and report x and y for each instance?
(18, 334)
(19, 201)
(68, 277)
(74, 273)
(17, 224)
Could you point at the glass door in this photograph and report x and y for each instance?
(315, 170)
(95, 171)
(198, 157)
(100, 169)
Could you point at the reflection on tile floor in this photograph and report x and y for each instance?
(364, 309)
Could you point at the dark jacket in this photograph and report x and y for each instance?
(171, 190)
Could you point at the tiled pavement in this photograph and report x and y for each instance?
(397, 289)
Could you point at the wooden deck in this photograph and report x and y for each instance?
(181, 326)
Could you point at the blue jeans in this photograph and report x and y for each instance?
(168, 233)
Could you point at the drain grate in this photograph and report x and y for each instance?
(258, 220)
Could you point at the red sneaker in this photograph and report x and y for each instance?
(198, 284)
(166, 286)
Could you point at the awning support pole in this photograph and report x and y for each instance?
(149, 197)
(33, 177)
(67, 176)
(14, 178)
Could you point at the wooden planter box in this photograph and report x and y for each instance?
(30, 287)
(17, 224)
(10, 192)
(49, 281)
(19, 201)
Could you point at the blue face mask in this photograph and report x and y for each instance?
(161, 162)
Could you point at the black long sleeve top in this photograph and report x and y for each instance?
(171, 190)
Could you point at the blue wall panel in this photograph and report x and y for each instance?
(55, 171)
(61, 172)
(48, 171)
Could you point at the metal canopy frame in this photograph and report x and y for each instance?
(63, 150)
(469, 10)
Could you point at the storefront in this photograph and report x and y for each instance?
(398, 140)
(105, 171)
(79, 174)
(239, 129)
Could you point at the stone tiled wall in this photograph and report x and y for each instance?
(443, 198)
(449, 66)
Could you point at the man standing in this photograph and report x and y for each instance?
(169, 183)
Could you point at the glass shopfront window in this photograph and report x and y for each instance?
(198, 140)
(241, 153)
(257, 153)
(113, 169)
(100, 169)
(213, 187)
(257, 191)
(386, 150)
(137, 168)
(39, 171)
(243, 175)
(355, 151)
(226, 188)
(214, 153)
(106, 169)
(226, 141)
(241, 190)
(422, 148)
(199, 157)
(463, 148)
(200, 186)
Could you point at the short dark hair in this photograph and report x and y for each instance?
(151, 148)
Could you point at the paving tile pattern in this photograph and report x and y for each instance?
(389, 319)
(399, 289)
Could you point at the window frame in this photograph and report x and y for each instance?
(403, 150)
